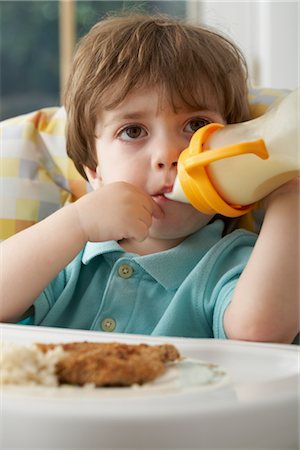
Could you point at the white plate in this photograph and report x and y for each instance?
(256, 408)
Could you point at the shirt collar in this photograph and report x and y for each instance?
(93, 249)
(171, 267)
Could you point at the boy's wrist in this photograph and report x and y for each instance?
(81, 219)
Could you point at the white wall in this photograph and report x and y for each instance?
(268, 33)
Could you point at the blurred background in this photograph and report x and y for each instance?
(37, 40)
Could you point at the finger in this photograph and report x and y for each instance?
(157, 212)
(146, 218)
(141, 231)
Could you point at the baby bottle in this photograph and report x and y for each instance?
(226, 169)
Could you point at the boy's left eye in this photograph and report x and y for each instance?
(193, 125)
(132, 132)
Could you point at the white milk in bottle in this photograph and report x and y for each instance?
(226, 169)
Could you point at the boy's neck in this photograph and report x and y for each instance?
(149, 245)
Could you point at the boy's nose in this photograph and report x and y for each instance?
(166, 157)
(166, 165)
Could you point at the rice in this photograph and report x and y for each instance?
(27, 365)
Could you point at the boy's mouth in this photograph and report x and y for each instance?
(163, 191)
(160, 195)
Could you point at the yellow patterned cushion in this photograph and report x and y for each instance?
(261, 99)
(37, 177)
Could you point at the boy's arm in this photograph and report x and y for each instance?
(265, 304)
(33, 257)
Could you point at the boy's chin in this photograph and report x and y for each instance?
(177, 229)
(171, 233)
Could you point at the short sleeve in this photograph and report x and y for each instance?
(224, 299)
(231, 263)
(48, 297)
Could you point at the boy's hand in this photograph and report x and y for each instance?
(116, 211)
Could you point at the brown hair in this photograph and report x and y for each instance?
(193, 64)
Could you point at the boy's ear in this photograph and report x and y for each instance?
(93, 176)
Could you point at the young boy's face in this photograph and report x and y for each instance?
(139, 142)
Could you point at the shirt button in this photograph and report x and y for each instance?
(125, 271)
(108, 324)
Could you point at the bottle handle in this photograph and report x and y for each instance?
(195, 180)
(198, 157)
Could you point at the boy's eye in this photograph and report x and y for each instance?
(194, 124)
(132, 132)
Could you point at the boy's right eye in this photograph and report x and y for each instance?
(132, 132)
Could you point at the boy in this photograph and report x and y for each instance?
(124, 258)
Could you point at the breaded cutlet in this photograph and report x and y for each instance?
(111, 364)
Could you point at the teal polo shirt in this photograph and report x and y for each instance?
(183, 291)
